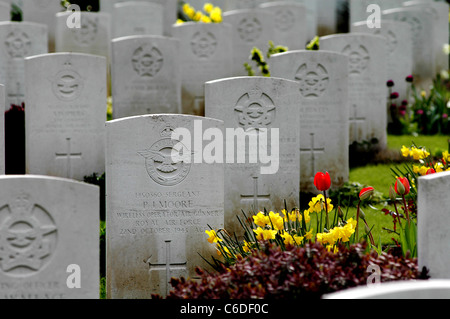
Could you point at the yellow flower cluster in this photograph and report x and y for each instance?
(414, 152)
(339, 233)
(210, 14)
(317, 204)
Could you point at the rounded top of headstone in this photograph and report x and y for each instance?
(144, 37)
(162, 117)
(43, 179)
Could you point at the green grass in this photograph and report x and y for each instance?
(433, 143)
(380, 177)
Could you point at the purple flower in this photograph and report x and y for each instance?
(445, 116)
(402, 113)
(390, 83)
(419, 112)
(393, 106)
(394, 95)
(409, 79)
(404, 102)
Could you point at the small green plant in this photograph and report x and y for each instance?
(259, 60)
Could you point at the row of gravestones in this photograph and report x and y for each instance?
(158, 205)
(149, 80)
(49, 226)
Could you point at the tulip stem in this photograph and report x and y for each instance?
(326, 209)
(357, 221)
(406, 209)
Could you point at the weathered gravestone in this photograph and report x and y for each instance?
(137, 18)
(162, 195)
(5, 8)
(421, 23)
(2, 130)
(312, 15)
(262, 142)
(433, 241)
(324, 127)
(290, 23)
(399, 46)
(17, 41)
(207, 55)
(44, 12)
(408, 289)
(65, 115)
(439, 11)
(367, 84)
(251, 28)
(243, 4)
(360, 10)
(170, 10)
(93, 36)
(49, 242)
(146, 77)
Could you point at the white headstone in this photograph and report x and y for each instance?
(290, 23)
(2, 130)
(251, 28)
(421, 23)
(44, 12)
(439, 11)
(400, 51)
(5, 11)
(49, 245)
(312, 17)
(324, 127)
(17, 41)
(92, 38)
(159, 207)
(207, 55)
(433, 241)
(137, 18)
(170, 10)
(408, 289)
(262, 142)
(243, 4)
(367, 84)
(66, 112)
(146, 77)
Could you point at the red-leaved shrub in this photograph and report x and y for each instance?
(298, 272)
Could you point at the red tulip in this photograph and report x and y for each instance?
(431, 171)
(402, 186)
(322, 181)
(366, 193)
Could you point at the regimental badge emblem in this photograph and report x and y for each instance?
(28, 237)
(249, 29)
(168, 161)
(203, 44)
(284, 20)
(67, 84)
(359, 58)
(87, 34)
(255, 109)
(313, 80)
(147, 61)
(18, 44)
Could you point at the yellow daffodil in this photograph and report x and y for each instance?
(317, 204)
(188, 10)
(216, 15)
(276, 220)
(405, 151)
(246, 247)
(213, 238)
(265, 234)
(309, 235)
(261, 219)
(208, 7)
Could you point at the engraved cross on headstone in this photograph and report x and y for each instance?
(168, 266)
(313, 150)
(354, 120)
(255, 196)
(68, 156)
